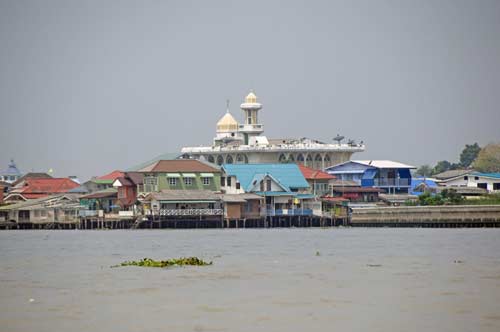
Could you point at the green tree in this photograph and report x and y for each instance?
(441, 166)
(488, 159)
(424, 170)
(469, 154)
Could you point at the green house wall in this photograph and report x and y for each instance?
(197, 183)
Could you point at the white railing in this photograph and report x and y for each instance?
(126, 213)
(191, 212)
(276, 148)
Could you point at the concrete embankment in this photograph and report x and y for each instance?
(428, 216)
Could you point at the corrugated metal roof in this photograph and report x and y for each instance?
(383, 163)
(487, 175)
(288, 175)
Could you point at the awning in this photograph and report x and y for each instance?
(188, 175)
(173, 175)
(207, 175)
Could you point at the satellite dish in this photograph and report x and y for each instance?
(350, 142)
(338, 138)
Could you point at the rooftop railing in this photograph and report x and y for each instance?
(391, 182)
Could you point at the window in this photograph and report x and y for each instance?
(466, 178)
(222, 181)
(238, 185)
(172, 181)
(211, 206)
(496, 186)
(206, 181)
(268, 185)
(482, 185)
(476, 178)
(150, 180)
(261, 185)
(188, 181)
(229, 181)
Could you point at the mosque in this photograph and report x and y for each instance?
(245, 143)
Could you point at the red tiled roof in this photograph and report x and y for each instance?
(112, 176)
(47, 186)
(179, 165)
(314, 174)
(334, 199)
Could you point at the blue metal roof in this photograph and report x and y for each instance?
(417, 181)
(288, 175)
(487, 175)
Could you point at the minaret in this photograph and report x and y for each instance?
(251, 109)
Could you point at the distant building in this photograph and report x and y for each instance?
(390, 176)
(11, 174)
(470, 179)
(245, 143)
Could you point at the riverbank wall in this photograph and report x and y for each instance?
(427, 216)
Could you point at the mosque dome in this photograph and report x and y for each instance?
(251, 98)
(227, 123)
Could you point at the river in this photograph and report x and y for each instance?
(342, 279)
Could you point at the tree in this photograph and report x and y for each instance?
(441, 166)
(488, 159)
(469, 154)
(424, 170)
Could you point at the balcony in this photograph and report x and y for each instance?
(391, 182)
(191, 212)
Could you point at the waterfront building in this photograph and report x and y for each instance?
(319, 181)
(283, 187)
(245, 143)
(104, 200)
(31, 175)
(31, 188)
(181, 174)
(453, 178)
(470, 179)
(127, 186)
(53, 211)
(11, 174)
(390, 176)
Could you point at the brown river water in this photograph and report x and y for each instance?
(337, 279)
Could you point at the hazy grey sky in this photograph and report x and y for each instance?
(91, 86)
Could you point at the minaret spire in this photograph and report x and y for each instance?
(227, 105)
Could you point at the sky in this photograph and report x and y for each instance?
(87, 87)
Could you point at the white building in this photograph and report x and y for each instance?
(245, 143)
(469, 178)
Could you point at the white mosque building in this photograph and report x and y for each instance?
(245, 143)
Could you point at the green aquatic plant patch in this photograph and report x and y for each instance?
(148, 262)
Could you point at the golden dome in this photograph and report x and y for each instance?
(227, 123)
(251, 98)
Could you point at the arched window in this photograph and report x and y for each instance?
(229, 160)
(220, 160)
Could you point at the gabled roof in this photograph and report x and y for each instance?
(288, 175)
(314, 174)
(111, 176)
(258, 178)
(179, 165)
(452, 174)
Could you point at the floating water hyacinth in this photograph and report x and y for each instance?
(148, 262)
